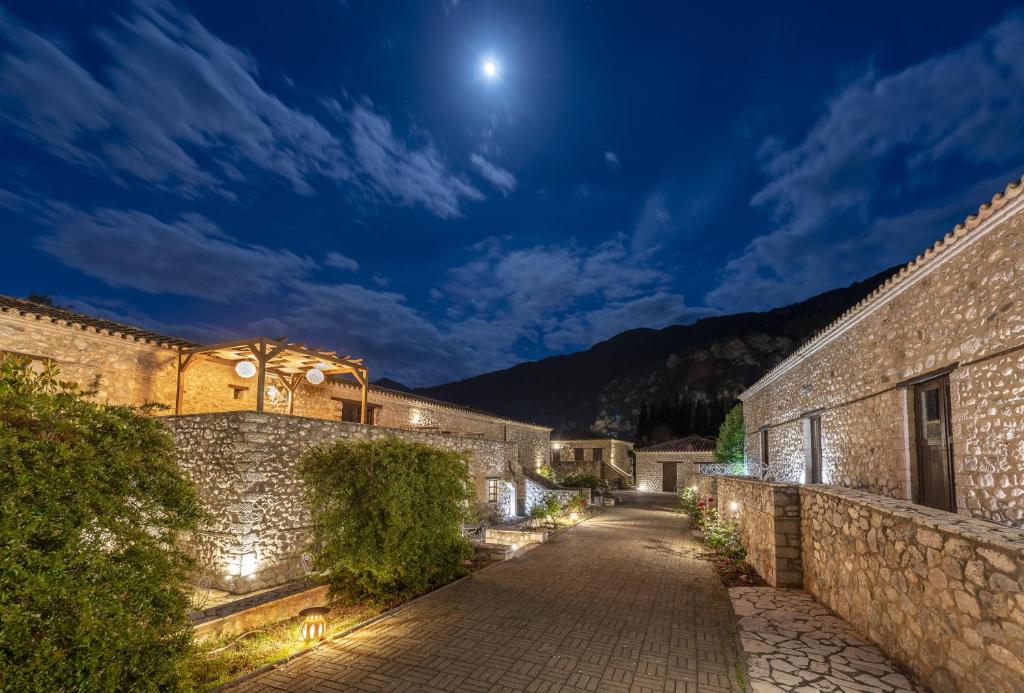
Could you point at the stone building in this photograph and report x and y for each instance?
(917, 392)
(671, 465)
(243, 459)
(605, 458)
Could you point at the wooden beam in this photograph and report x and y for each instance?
(261, 375)
(364, 381)
(183, 363)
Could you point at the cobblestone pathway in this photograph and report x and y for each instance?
(794, 643)
(618, 603)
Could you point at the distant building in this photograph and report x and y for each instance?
(917, 392)
(605, 458)
(669, 466)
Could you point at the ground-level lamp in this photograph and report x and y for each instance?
(314, 623)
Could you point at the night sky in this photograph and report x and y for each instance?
(348, 174)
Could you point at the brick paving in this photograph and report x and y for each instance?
(618, 603)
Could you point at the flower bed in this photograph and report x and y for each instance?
(726, 552)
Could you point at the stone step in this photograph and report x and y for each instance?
(493, 552)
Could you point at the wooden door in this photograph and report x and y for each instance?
(668, 476)
(934, 444)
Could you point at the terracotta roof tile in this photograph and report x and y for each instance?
(685, 444)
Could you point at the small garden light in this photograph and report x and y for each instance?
(314, 623)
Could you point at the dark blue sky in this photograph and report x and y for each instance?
(342, 173)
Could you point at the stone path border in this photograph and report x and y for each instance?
(793, 643)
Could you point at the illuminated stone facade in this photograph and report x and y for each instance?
(605, 458)
(767, 516)
(958, 310)
(243, 464)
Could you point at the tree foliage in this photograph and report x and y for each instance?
(387, 515)
(685, 414)
(729, 448)
(92, 510)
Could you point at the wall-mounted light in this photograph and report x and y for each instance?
(273, 393)
(734, 506)
(314, 623)
(245, 369)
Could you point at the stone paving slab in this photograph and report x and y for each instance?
(619, 603)
(793, 643)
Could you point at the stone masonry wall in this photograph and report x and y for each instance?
(965, 310)
(940, 593)
(650, 470)
(243, 464)
(767, 516)
(124, 370)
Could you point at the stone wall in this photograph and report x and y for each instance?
(650, 468)
(614, 465)
(767, 516)
(243, 464)
(123, 370)
(964, 310)
(536, 494)
(940, 593)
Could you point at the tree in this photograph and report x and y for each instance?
(93, 584)
(729, 448)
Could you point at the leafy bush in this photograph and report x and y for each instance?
(387, 515)
(577, 502)
(591, 481)
(546, 471)
(723, 537)
(92, 583)
(729, 446)
(688, 503)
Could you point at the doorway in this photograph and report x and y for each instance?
(668, 476)
(934, 444)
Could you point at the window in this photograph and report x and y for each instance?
(598, 454)
(556, 454)
(493, 489)
(350, 410)
(813, 475)
(578, 454)
(764, 449)
(237, 391)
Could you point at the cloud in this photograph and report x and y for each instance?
(556, 296)
(342, 262)
(934, 125)
(412, 176)
(175, 106)
(189, 256)
(612, 159)
(501, 179)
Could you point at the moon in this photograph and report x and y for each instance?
(490, 68)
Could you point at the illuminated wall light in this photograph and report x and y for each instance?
(734, 506)
(315, 376)
(243, 566)
(416, 417)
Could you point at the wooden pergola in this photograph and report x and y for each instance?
(289, 361)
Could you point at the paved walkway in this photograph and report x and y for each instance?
(618, 603)
(793, 643)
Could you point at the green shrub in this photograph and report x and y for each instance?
(387, 515)
(729, 446)
(546, 471)
(723, 537)
(553, 504)
(591, 481)
(93, 588)
(688, 503)
(577, 502)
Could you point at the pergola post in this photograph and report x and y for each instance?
(364, 382)
(261, 374)
(179, 397)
